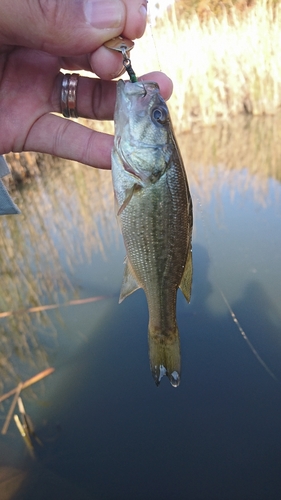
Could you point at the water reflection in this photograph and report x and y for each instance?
(58, 228)
(114, 421)
(248, 144)
(107, 432)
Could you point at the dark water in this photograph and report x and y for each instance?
(107, 431)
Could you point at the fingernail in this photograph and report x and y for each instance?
(103, 14)
(120, 72)
(143, 10)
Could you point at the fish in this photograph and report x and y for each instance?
(154, 211)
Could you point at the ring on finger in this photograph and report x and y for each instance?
(69, 95)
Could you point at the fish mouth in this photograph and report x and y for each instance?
(133, 98)
(122, 109)
(141, 88)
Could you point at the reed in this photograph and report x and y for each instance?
(221, 66)
(62, 224)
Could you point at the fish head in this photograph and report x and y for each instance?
(142, 129)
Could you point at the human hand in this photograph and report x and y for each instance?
(39, 38)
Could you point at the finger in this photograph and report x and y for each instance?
(165, 83)
(67, 139)
(106, 63)
(96, 98)
(136, 18)
(65, 27)
(76, 63)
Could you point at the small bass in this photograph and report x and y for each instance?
(154, 210)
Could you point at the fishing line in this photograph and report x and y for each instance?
(152, 37)
(232, 314)
(254, 351)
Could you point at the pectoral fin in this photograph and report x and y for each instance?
(129, 195)
(186, 281)
(129, 284)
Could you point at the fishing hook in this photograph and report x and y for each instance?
(128, 66)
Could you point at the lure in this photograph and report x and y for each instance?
(123, 45)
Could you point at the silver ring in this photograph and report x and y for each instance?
(69, 86)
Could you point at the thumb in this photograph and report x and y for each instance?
(61, 27)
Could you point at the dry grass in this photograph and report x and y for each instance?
(61, 224)
(221, 66)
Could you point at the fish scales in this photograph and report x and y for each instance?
(154, 209)
(153, 222)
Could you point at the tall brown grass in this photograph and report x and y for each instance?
(221, 66)
(61, 224)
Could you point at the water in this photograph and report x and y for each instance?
(107, 431)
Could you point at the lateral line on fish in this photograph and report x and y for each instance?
(232, 314)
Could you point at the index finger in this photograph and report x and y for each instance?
(96, 98)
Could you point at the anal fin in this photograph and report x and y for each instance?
(129, 284)
(186, 281)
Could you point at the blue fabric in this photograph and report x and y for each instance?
(7, 206)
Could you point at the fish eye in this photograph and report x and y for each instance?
(159, 115)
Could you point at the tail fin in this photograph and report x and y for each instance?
(164, 355)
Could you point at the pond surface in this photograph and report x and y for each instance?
(106, 431)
